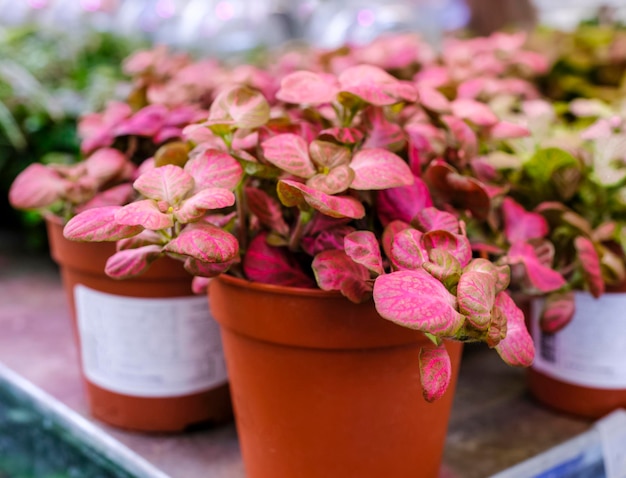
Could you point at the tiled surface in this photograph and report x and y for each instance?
(494, 423)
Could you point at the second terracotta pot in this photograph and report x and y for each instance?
(151, 355)
(581, 370)
(326, 388)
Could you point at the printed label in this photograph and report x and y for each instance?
(591, 350)
(149, 347)
(613, 437)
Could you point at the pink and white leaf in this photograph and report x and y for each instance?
(431, 218)
(432, 99)
(194, 207)
(167, 183)
(98, 225)
(558, 311)
(444, 267)
(115, 196)
(273, 265)
(307, 87)
(362, 247)
(214, 169)
(457, 244)
(205, 243)
(375, 86)
(329, 155)
(144, 213)
(336, 181)
(36, 187)
(379, 169)
(517, 347)
(290, 153)
(589, 260)
(131, 262)
(267, 210)
(417, 300)
(407, 251)
(293, 193)
(435, 371)
(105, 164)
(335, 270)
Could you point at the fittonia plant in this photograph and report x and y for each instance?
(290, 189)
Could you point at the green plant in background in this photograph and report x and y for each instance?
(47, 80)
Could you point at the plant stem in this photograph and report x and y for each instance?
(242, 227)
(296, 235)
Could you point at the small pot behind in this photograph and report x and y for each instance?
(581, 369)
(151, 355)
(326, 388)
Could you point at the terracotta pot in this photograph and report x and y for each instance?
(326, 388)
(144, 369)
(581, 370)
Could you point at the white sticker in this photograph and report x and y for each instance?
(613, 436)
(591, 350)
(149, 347)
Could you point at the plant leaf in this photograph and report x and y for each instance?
(375, 86)
(205, 243)
(443, 267)
(336, 181)
(115, 196)
(521, 225)
(541, 277)
(239, 107)
(267, 210)
(131, 262)
(36, 187)
(517, 347)
(293, 193)
(478, 113)
(329, 155)
(558, 310)
(431, 219)
(589, 260)
(335, 270)
(435, 371)
(402, 203)
(273, 265)
(105, 164)
(362, 247)
(167, 183)
(306, 87)
(214, 169)
(98, 225)
(194, 207)
(407, 250)
(205, 269)
(417, 300)
(379, 169)
(458, 245)
(476, 293)
(290, 153)
(144, 213)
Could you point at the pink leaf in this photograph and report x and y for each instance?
(379, 169)
(432, 99)
(97, 225)
(407, 251)
(507, 130)
(521, 225)
(375, 86)
(273, 265)
(214, 169)
(105, 164)
(382, 133)
(145, 122)
(289, 152)
(558, 310)
(444, 267)
(336, 181)
(205, 243)
(517, 347)
(402, 203)
(207, 269)
(334, 270)
(239, 107)
(466, 139)
(195, 207)
(389, 233)
(144, 213)
(306, 87)
(349, 136)
(167, 183)
(144, 238)
(115, 196)
(541, 277)
(329, 155)
(200, 285)
(589, 260)
(476, 293)
(458, 245)
(131, 262)
(36, 187)
(362, 247)
(293, 193)
(430, 219)
(435, 371)
(331, 238)
(474, 111)
(267, 210)
(417, 300)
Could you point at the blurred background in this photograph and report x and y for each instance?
(61, 58)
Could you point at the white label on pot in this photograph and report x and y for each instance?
(591, 350)
(149, 347)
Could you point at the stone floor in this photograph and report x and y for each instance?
(494, 425)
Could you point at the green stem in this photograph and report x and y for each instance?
(296, 235)
(242, 227)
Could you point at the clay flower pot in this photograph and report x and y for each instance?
(323, 387)
(581, 369)
(151, 355)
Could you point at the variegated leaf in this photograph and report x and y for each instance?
(105, 164)
(476, 294)
(168, 183)
(205, 243)
(558, 310)
(36, 187)
(193, 208)
(517, 348)
(362, 247)
(337, 180)
(521, 225)
(290, 153)
(329, 155)
(444, 267)
(98, 225)
(407, 251)
(293, 193)
(540, 277)
(335, 270)
(145, 213)
(207, 269)
(458, 245)
(431, 219)
(402, 203)
(379, 169)
(267, 210)
(306, 87)
(435, 371)
(417, 300)
(589, 260)
(214, 169)
(131, 262)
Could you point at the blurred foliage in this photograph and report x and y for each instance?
(47, 80)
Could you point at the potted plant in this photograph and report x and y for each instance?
(305, 213)
(144, 367)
